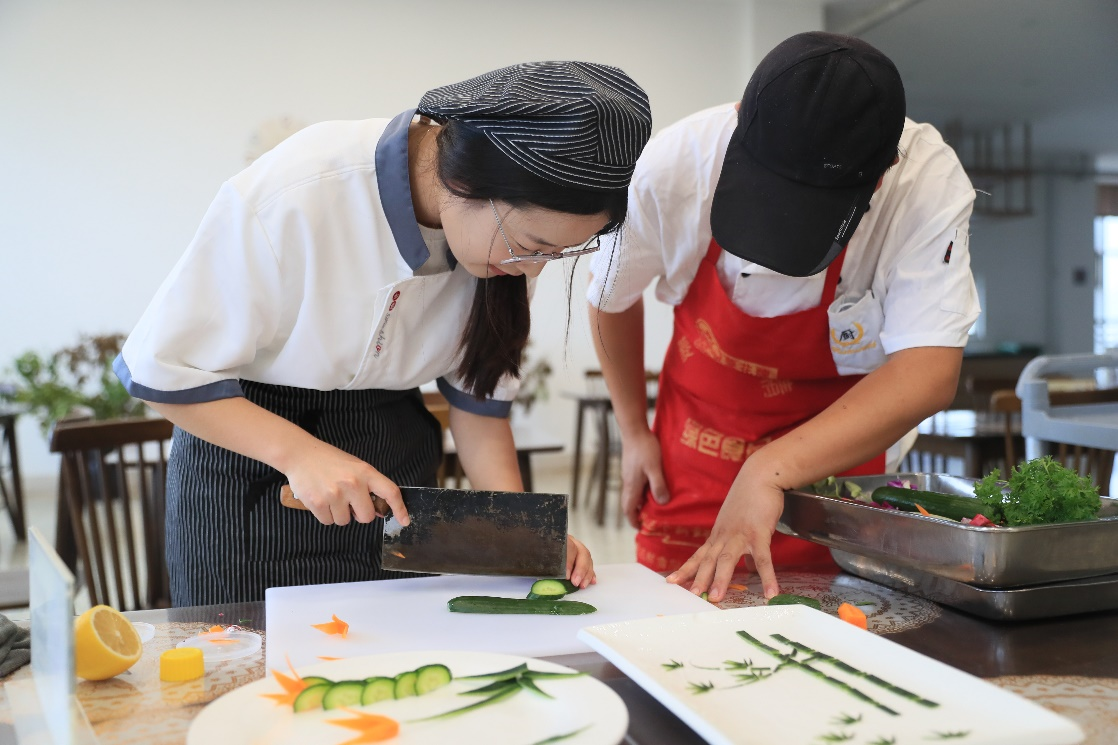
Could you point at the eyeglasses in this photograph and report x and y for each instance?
(538, 257)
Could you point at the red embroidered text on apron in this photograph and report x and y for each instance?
(730, 384)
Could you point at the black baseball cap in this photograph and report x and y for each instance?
(819, 124)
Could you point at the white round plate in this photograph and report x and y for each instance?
(583, 703)
(224, 645)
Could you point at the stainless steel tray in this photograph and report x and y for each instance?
(985, 557)
(1012, 604)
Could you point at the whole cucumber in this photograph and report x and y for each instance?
(949, 506)
(486, 604)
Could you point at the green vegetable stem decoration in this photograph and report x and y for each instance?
(72, 380)
(1040, 491)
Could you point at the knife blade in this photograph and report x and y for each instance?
(464, 531)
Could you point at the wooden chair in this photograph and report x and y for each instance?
(1098, 463)
(113, 480)
(604, 477)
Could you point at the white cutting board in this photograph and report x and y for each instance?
(411, 614)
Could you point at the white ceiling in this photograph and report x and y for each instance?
(1052, 63)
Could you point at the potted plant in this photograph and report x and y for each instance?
(73, 381)
(533, 381)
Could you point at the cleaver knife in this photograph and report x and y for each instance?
(462, 531)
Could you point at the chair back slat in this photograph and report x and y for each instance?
(1095, 463)
(124, 497)
(109, 482)
(70, 478)
(113, 535)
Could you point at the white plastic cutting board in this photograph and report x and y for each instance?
(411, 614)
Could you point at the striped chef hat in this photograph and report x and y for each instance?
(576, 123)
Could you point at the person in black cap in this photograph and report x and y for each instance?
(813, 243)
(338, 272)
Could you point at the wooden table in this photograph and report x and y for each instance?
(977, 438)
(1068, 664)
(12, 493)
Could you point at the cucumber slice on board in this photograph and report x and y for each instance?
(551, 589)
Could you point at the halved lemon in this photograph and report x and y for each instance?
(105, 643)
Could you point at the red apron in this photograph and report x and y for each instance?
(731, 383)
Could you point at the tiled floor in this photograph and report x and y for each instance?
(609, 543)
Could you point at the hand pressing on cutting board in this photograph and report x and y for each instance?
(744, 527)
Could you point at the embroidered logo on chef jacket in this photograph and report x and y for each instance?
(381, 336)
(856, 334)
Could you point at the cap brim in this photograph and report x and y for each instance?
(783, 225)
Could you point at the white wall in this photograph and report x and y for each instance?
(119, 120)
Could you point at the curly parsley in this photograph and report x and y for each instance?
(1040, 491)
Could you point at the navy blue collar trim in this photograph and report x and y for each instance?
(394, 185)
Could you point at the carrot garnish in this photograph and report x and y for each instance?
(736, 587)
(373, 727)
(923, 511)
(216, 629)
(335, 626)
(852, 614)
(292, 686)
(329, 659)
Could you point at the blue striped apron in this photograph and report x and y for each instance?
(228, 537)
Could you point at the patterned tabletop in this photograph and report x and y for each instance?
(136, 707)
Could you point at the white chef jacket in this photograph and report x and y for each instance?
(908, 261)
(309, 270)
(898, 250)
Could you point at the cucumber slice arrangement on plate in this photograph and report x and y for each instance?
(322, 693)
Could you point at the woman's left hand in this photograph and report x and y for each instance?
(580, 565)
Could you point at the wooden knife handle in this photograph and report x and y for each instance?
(288, 499)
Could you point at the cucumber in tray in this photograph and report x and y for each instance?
(948, 506)
(551, 589)
(485, 604)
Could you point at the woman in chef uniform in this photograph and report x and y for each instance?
(351, 264)
(813, 243)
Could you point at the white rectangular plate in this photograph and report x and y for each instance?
(699, 665)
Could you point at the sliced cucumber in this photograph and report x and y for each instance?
(790, 599)
(431, 677)
(551, 589)
(484, 604)
(310, 698)
(378, 689)
(314, 680)
(343, 693)
(405, 684)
